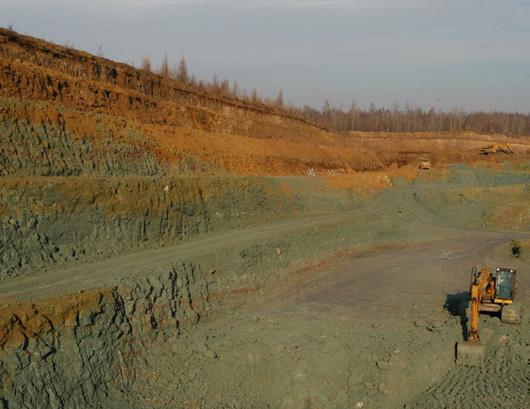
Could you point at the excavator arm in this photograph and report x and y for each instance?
(481, 283)
(471, 352)
(473, 337)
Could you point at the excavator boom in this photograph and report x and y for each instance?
(471, 352)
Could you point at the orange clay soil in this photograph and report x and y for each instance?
(93, 97)
(22, 320)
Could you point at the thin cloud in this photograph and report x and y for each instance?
(364, 4)
(373, 50)
(361, 4)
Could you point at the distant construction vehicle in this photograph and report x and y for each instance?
(493, 293)
(425, 163)
(497, 148)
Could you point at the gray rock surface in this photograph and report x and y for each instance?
(75, 366)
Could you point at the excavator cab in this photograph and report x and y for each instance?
(505, 281)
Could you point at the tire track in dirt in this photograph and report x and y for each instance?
(406, 199)
(502, 383)
(379, 282)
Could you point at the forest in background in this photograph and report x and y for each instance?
(416, 119)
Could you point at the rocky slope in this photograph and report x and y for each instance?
(65, 112)
(47, 222)
(69, 353)
(99, 116)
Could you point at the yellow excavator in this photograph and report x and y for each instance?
(497, 148)
(492, 292)
(425, 163)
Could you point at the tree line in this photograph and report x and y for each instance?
(416, 119)
(376, 119)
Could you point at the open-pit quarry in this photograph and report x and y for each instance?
(161, 247)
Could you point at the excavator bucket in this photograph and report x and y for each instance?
(470, 354)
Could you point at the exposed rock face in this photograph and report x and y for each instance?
(71, 354)
(65, 112)
(46, 222)
(44, 146)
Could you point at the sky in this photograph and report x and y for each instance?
(470, 54)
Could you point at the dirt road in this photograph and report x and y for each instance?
(56, 282)
(105, 273)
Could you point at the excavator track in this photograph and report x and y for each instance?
(512, 314)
